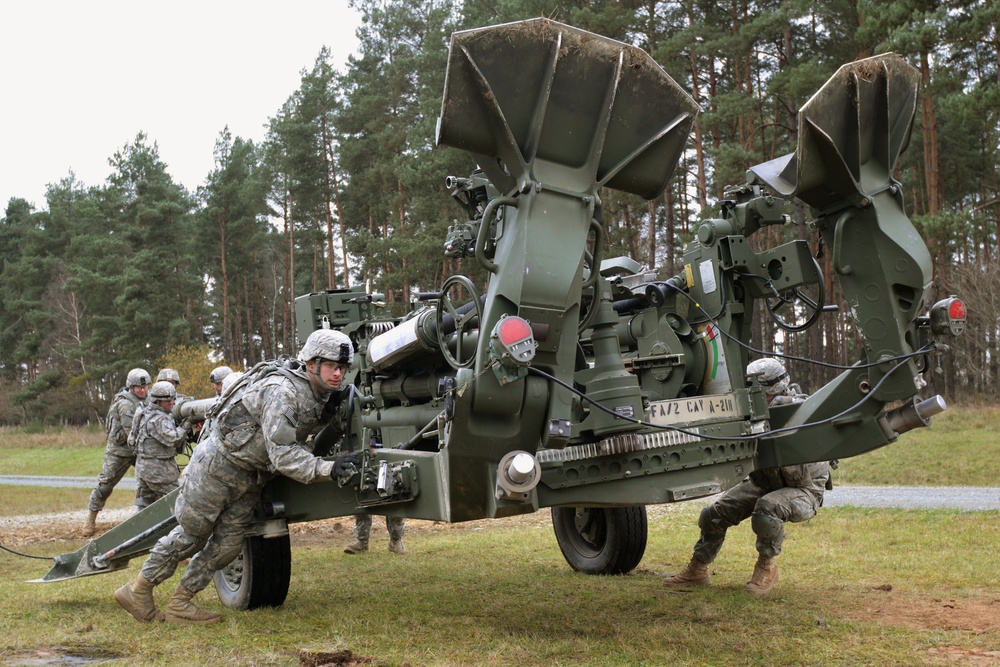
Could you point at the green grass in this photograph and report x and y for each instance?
(961, 448)
(22, 500)
(504, 596)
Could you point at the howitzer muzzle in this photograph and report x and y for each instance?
(914, 414)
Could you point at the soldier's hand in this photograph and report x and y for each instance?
(345, 465)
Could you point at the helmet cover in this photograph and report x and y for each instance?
(328, 344)
(137, 378)
(162, 391)
(773, 376)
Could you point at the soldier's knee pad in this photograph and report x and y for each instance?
(766, 527)
(710, 522)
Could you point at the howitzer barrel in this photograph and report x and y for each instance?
(192, 409)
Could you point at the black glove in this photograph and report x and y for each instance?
(345, 465)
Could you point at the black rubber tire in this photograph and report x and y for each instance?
(260, 575)
(601, 540)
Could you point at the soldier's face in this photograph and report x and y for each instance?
(140, 390)
(330, 374)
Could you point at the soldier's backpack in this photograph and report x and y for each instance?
(283, 365)
(137, 421)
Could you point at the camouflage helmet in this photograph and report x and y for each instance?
(773, 376)
(219, 374)
(328, 344)
(162, 391)
(170, 375)
(137, 378)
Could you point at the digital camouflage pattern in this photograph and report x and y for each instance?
(395, 525)
(788, 494)
(119, 421)
(159, 441)
(260, 431)
(792, 493)
(118, 455)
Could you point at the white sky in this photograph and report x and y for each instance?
(79, 80)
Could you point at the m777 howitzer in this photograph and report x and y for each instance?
(585, 384)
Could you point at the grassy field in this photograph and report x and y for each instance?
(857, 587)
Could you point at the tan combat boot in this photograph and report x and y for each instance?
(356, 547)
(180, 609)
(90, 525)
(765, 574)
(396, 546)
(136, 597)
(694, 574)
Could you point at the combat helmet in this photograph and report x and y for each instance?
(170, 375)
(773, 376)
(219, 374)
(136, 378)
(162, 391)
(328, 344)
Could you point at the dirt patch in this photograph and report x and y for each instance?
(36, 529)
(957, 655)
(973, 615)
(346, 658)
(42, 528)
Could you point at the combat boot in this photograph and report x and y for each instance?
(90, 525)
(136, 597)
(356, 547)
(396, 546)
(765, 574)
(694, 574)
(180, 609)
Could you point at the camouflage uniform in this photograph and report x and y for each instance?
(260, 433)
(159, 440)
(396, 526)
(118, 456)
(769, 498)
(792, 493)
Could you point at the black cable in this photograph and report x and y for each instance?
(737, 438)
(18, 553)
(928, 349)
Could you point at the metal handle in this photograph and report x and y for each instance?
(838, 238)
(484, 229)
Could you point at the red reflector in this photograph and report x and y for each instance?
(513, 329)
(956, 310)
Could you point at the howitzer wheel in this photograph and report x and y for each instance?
(259, 576)
(601, 540)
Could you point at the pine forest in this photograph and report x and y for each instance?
(348, 188)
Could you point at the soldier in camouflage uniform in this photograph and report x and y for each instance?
(768, 498)
(158, 442)
(216, 377)
(118, 455)
(144, 496)
(259, 431)
(396, 526)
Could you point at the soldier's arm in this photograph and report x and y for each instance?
(278, 423)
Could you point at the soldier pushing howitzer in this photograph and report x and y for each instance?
(259, 431)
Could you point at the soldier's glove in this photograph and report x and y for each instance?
(345, 465)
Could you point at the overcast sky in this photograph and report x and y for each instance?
(79, 80)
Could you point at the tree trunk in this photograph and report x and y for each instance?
(930, 136)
